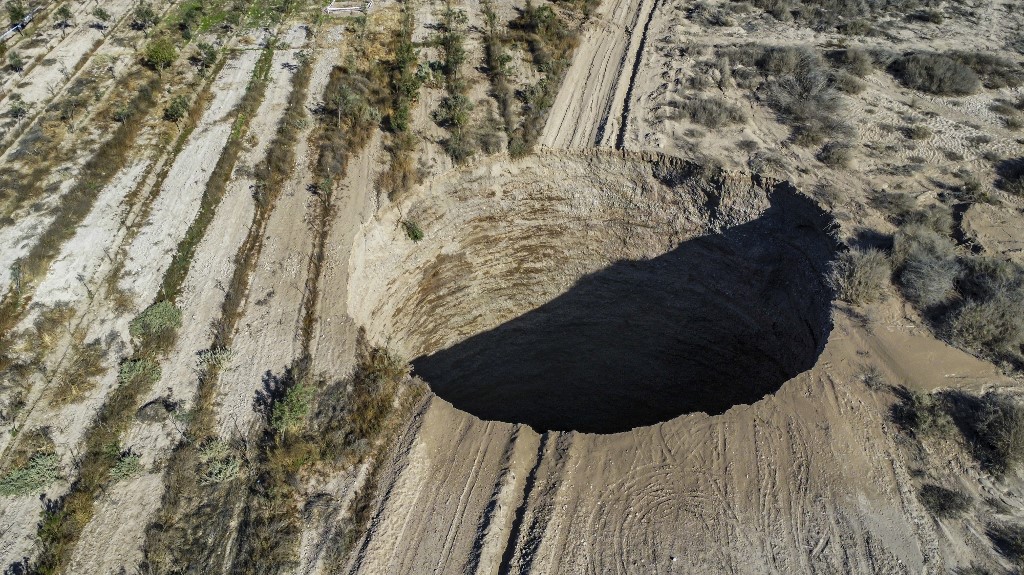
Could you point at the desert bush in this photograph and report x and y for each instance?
(992, 426)
(138, 372)
(847, 83)
(928, 15)
(897, 207)
(924, 415)
(412, 230)
(156, 327)
(935, 74)
(79, 375)
(177, 109)
(1011, 176)
(1008, 539)
(218, 462)
(943, 503)
(128, 465)
(994, 71)
(918, 132)
(289, 413)
(144, 17)
(992, 327)
(926, 266)
(855, 61)
(15, 61)
(160, 54)
(39, 472)
(836, 154)
(711, 111)
(804, 97)
(860, 276)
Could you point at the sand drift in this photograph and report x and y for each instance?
(599, 292)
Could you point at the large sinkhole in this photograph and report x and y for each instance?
(598, 292)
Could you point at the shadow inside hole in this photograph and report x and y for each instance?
(719, 321)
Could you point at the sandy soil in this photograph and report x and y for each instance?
(589, 108)
(808, 480)
(200, 302)
(271, 319)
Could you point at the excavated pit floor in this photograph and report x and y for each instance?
(600, 293)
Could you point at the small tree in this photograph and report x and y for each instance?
(17, 12)
(101, 16)
(16, 62)
(144, 18)
(64, 19)
(160, 54)
(177, 109)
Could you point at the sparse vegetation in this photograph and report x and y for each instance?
(128, 465)
(1009, 540)
(177, 109)
(860, 276)
(551, 43)
(412, 230)
(935, 74)
(943, 503)
(157, 326)
(924, 415)
(143, 371)
(836, 154)
(711, 111)
(926, 266)
(38, 473)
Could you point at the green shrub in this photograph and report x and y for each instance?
(935, 74)
(177, 109)
(289, 413)
(138, 372)
(412, 230)
(128, 465)
(144, 17)
(943, 503)
(218, 462)
(156, 328)
(860, 276)
(15, 61)
(160, 54)
(40, 471)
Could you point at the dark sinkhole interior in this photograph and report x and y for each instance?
(721, 320)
